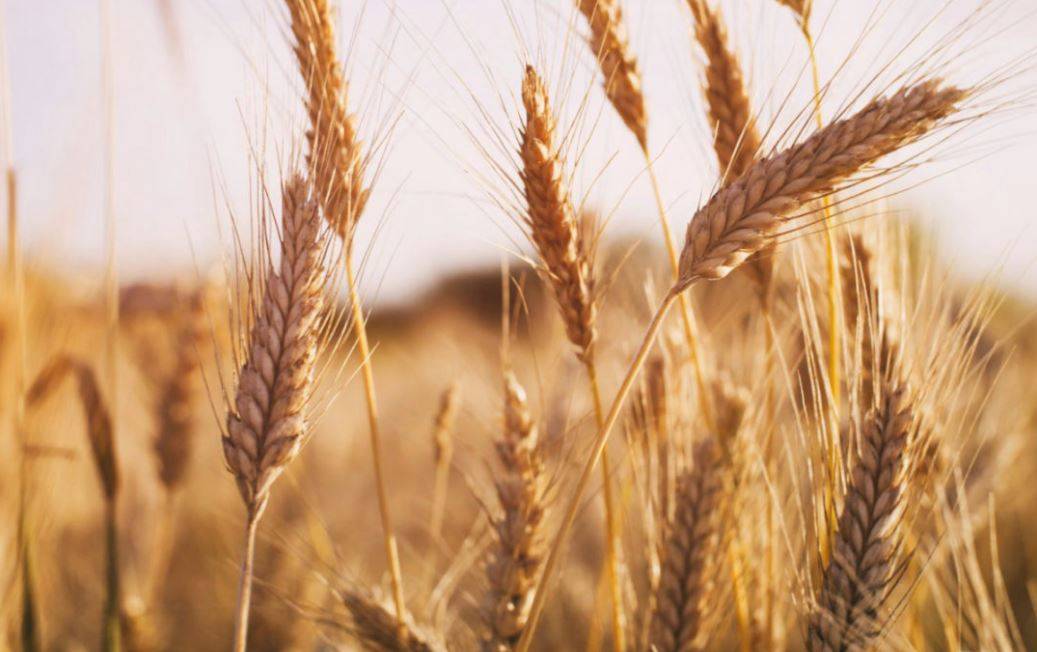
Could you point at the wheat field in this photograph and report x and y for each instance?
(770, 416)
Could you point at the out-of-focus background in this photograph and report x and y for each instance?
(197, 83)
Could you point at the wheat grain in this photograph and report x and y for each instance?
(744, 215)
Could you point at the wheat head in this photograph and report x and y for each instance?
(517, 551)
(267, 422)
(689, 546)
(551, 220)
(608, 41)
(744, 215)
(335, 159)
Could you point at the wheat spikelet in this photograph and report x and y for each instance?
(336, 162)
(858, 578)
(745, 214)
(516, 556)
(688, 548)
(379, 630)
(175, 409)
(608, 40)
(266, 424)
(551, 219)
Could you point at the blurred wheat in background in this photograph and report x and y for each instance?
(795, 427)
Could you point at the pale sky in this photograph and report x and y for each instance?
(184, 126)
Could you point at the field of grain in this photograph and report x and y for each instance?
(771, 416)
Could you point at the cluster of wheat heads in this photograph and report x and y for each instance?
(738, 512)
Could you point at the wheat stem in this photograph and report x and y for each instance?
(834, 310)
(364, 349)
(601, 440)
(612, 519)
(243, 608)
(684, 301)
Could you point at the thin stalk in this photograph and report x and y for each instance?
(612, 545)
(391, 553)
(687, 319)
(110, 641)
(439, 493)
(16, 281)
(834, 315)
(245, 585)
(588, 469)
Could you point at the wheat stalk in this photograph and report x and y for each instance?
(736, 139)
(266, 424)
(744, 215)
(566, 262)
(338, 168)
(516, 555)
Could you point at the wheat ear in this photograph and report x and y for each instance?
(335, 159)
(379, 630)
(608, 39)
(736, 139)
(266, 424)
(517, 552)
(102, 448)
(688, 548)
(338, 165)
(566, 259)
(858, 577)
(742, 217)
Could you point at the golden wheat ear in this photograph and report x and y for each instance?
(745, 215)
